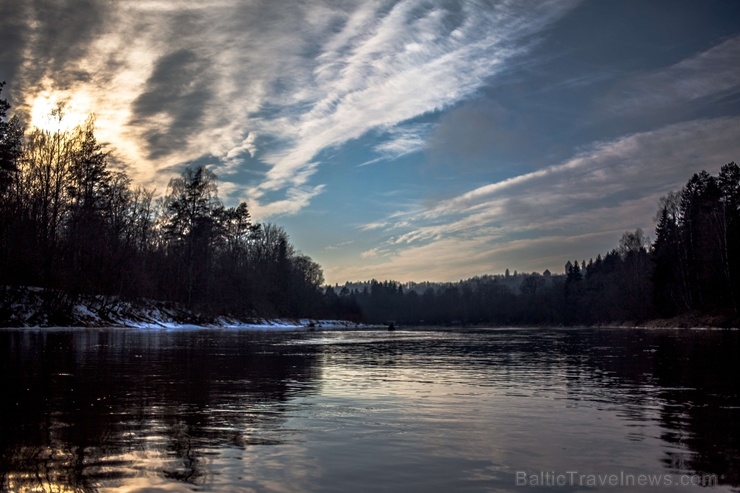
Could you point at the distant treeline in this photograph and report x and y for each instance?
(72, 223)
(692, 267)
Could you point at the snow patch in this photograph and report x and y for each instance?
(35, 307)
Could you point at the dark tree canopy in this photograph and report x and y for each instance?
(70, 222)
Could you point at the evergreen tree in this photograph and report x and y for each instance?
(188, 228)
(11, 140)
(728, 223)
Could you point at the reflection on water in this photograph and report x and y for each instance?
(123, 410)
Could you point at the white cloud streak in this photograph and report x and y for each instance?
(261, 86)
(706, 74)
(386, 66)
(601, 192)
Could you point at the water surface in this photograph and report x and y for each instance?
(418, 410)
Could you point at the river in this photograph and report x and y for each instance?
(517, 409)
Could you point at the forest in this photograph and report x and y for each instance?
(691, 269)
(72, 223)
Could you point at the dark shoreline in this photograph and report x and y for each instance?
(34, 307)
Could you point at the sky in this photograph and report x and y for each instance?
(405, 139)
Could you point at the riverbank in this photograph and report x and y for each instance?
(686, 321)
(35, 307)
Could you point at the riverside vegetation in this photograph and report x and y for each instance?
(73, 225)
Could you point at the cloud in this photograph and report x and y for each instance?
(372, 253)
(172, 82)
(404, 140)
(384, 67)
(260, 85)
(532, 220)
(331, 248)
(374, 226)
(707, 74)
(630, 165)
(51, 37)
(400, 141)
(296, 198)
(177, 77)
(451, 259)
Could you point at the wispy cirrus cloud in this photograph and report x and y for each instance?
(599, 193)
(399, 141)
(390, 62)
(627, 166)
(711, 73)
(260, 86)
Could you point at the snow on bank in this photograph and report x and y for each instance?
(34, 307)
(254, 324)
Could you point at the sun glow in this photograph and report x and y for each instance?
(59, 112)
